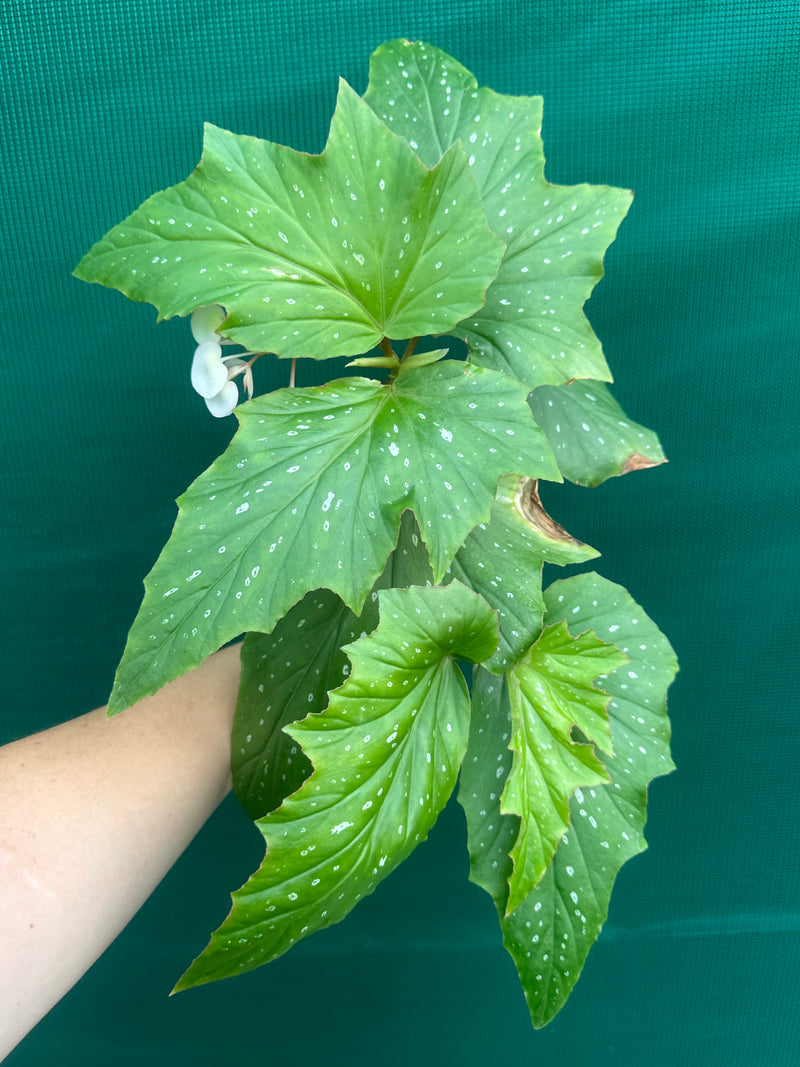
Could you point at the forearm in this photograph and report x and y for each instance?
(93, 813)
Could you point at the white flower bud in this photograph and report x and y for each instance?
(209, 373)
(206, 321)
(224, 402)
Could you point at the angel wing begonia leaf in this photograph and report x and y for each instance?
(288, 674)
(532, 325)
(550, 933)
(309, 494)
(312, 256)
(592, 437)
(386, 753)
(551, 691)
(502, 559)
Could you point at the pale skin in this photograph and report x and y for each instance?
(93, 813)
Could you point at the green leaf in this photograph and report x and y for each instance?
(503, 559)
(591, 436)
(551, 691)
(422, 359)
(386, 754)
(309, 494)
(375, 361)
(288, 674)
(490, 834)
(531, 326)
(312, 256)
(409, 564)
(550, 933)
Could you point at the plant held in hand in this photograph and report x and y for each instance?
(367, 535)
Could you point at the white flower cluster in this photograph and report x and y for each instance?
(212, 373)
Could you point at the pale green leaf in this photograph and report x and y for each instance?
(551, 691)
(386, 754)
(592, 437)
(309, 494)
(502, 560)
(550, 933)
(422, 359)
(312, 256)
(532, 325)
(375, 361)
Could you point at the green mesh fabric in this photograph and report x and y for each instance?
(694, 104)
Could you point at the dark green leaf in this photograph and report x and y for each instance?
(386, 754)
(490, 834)
(288, 674)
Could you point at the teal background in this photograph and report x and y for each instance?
(695, 106)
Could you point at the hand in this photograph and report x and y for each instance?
(93, 813)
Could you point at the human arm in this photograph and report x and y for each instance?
(93, 813)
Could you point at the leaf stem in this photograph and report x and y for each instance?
(292, 373)
(412, 344)
(386, 345)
